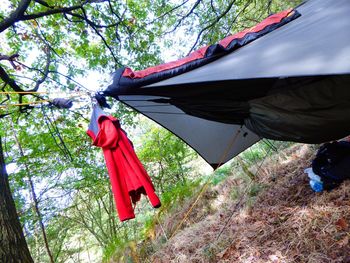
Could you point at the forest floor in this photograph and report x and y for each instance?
(275, 217)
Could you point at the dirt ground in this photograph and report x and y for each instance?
(284, 222)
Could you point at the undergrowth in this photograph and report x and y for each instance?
(140, 245)
(271, 217)
(226, 186)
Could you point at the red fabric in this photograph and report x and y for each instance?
(128, 177)
(277, 18)
(200, 53)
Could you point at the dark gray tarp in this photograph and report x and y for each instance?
(317, 43)
(317, 112)
(291, 84)
(216, 142)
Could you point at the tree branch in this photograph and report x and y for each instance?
(54, 72)
(185, 16)
(50, 12)
(168, 12)
(46, 70)
(239, 13)
(40, 34)
(18, 14)
(217, 19)
(86, 19)
(43, 3)
(15, 16)
(92, 25)
(7, 79)
(11, 59)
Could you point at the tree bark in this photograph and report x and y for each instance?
(13, 246)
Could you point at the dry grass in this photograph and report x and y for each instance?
(286, 223)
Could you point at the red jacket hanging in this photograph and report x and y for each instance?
(128, 177)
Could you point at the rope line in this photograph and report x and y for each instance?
(54, 132)
(36, 102)
(23, 104)
(23, 92)
(206, 185)
(245, 191)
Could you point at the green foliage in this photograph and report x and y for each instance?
(262, 149)
(115, 250)
(221, 174)
(178, 193)
(165, 156)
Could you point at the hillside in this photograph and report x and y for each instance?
(274, 218)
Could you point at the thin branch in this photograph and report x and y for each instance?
(33, 195)
(58, 10)
(54, 132)
(185, 16)
(50, 12)
(71, 79)
(269, 4)
(213, 7)
(55, 72)
(43, 3)
(237, 16)
(216, 20)
(90, 22)
(112, 10)
(168, 12)
(43, 38)
(46, 70)
(92, 25)
(121, 21)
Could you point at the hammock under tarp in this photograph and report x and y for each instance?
(287, 78)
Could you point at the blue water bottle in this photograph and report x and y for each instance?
(315, 181)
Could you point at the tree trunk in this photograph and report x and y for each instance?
(13, 246)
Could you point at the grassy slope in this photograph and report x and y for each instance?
(275, 218)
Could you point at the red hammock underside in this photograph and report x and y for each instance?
(201, 53)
